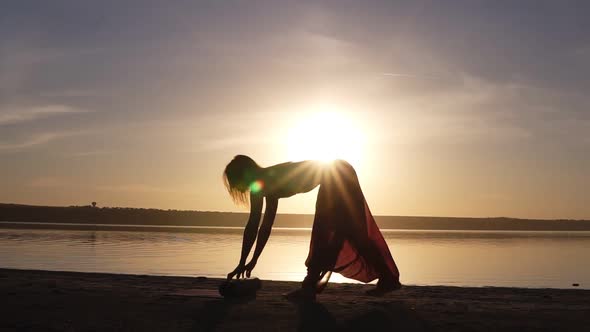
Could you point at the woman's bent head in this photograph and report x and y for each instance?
(238, 176)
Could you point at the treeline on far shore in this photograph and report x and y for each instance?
(135, 216)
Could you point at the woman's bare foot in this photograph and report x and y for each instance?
(384, 288)
(301, 295)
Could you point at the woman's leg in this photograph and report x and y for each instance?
(388, 280)
(325, 245)
(312, 279)
(308, 290)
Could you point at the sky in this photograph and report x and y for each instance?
(445, 108)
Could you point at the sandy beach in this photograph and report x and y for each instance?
(68, 301)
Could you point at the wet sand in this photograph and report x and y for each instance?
(68, 301)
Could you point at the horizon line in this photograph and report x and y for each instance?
(291, 213)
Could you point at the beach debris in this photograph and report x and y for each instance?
(240, 288)
(197, 292)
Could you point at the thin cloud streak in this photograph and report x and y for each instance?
(36, 140)
(75, 93)
(89, 153)
(136, 188)
(46, 182)
(36, 113)
(418, 76)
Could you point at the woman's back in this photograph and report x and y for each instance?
(288, 179)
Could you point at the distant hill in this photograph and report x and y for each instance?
(134, 216)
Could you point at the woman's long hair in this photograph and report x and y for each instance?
(237, 177)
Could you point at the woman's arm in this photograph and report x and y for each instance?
(264, 232)
(249, 234)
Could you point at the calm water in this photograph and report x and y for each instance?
(463, 258)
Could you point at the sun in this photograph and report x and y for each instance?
(326, 135)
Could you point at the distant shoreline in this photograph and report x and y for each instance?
(216, 229)
(134, 218)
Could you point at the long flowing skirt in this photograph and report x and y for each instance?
(345, 238)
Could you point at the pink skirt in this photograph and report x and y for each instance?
(345, 238)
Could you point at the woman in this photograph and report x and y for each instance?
(344, 238)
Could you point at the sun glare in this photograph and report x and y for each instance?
(325, 135)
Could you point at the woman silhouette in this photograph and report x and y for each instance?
(344, 238)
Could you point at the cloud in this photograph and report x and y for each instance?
(44, 182)
(38, 139)
(89, 153)
(135, 188)
(415, 76)
(582, 51)
(214, 144)
(22, 57)
(472, 109)
(74, 93)
(36, 113)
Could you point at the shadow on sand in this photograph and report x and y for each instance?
(215, 311)
(314, 316)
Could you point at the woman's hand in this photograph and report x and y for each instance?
(249, 267)
(241, 269)
(238, 272)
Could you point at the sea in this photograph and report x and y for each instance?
(531, 259)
